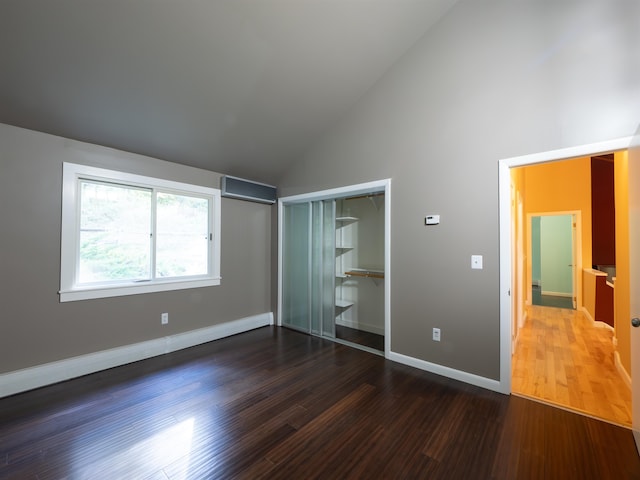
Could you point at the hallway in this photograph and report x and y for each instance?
(562, 359)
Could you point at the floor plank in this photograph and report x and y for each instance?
(367, 339)
(561, 358)
(278, 404)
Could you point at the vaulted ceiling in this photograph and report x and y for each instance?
(242, 87)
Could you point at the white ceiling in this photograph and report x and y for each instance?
(236, 86)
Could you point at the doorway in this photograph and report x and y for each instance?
(554, 259)
(508, 213)
(334, 263)
(555, 358)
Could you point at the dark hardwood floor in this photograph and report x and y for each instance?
(278, 404)
(367, 339)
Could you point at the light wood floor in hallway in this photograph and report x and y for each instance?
(561, 358)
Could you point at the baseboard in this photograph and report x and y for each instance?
(41, 375)
(621, 370)
(361, 326)
(556, 294)
(459, 375)
(586, 313)
(601, 324)
(595, 323)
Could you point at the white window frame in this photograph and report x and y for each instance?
(70, 290)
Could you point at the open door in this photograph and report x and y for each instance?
(574, 261)
(634, 277)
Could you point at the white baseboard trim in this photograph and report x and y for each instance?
(365, 327)
(596, 323)
(621, 370)
(587, 314)
(459, 375)
(600, 324)
(556, 294)
(46, 374)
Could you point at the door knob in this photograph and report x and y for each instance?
(635, 322)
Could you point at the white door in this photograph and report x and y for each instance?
(556, 255)
(574, 261)
(634, 277)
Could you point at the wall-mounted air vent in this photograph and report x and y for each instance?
(247, 190)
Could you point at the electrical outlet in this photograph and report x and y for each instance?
(164, 318)
(436, 334)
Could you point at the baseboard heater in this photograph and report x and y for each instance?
(234, 187)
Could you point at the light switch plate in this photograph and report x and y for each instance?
(476, 262)
(432, 220)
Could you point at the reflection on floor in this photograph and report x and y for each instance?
(549, 300)
(561, 358)
(360, 337)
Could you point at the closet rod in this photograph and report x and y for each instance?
(368, 195)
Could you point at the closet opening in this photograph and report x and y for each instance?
(334, 265)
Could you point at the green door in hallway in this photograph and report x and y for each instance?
(553, 260)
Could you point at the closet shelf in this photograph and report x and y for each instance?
(343, 303)
(360, 272)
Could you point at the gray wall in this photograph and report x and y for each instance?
(492, 80)
(36, 328)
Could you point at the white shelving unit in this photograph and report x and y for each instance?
(359, 263)
(343, 304)
(344, 245)
(344, 220)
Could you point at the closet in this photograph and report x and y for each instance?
(332, 255)
(360, 270)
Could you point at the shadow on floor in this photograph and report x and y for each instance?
(360, 337)
(550, 300)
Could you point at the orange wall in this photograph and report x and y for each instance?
(622, 291)
(562, 186)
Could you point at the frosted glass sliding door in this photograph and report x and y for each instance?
(308, 297)
(316, 266)
(328, 269)
(296, 266)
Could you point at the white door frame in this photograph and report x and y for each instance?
(504, 182)
(351, 190)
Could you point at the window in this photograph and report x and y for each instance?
(124, 234)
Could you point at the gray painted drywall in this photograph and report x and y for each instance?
(492, 80)
(37, 329)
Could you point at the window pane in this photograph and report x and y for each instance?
(182, 235)
(115, 241)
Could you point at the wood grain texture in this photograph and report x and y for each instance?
(278, 404)
(561, 358)
(367, 339)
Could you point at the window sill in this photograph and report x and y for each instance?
(89, 293)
